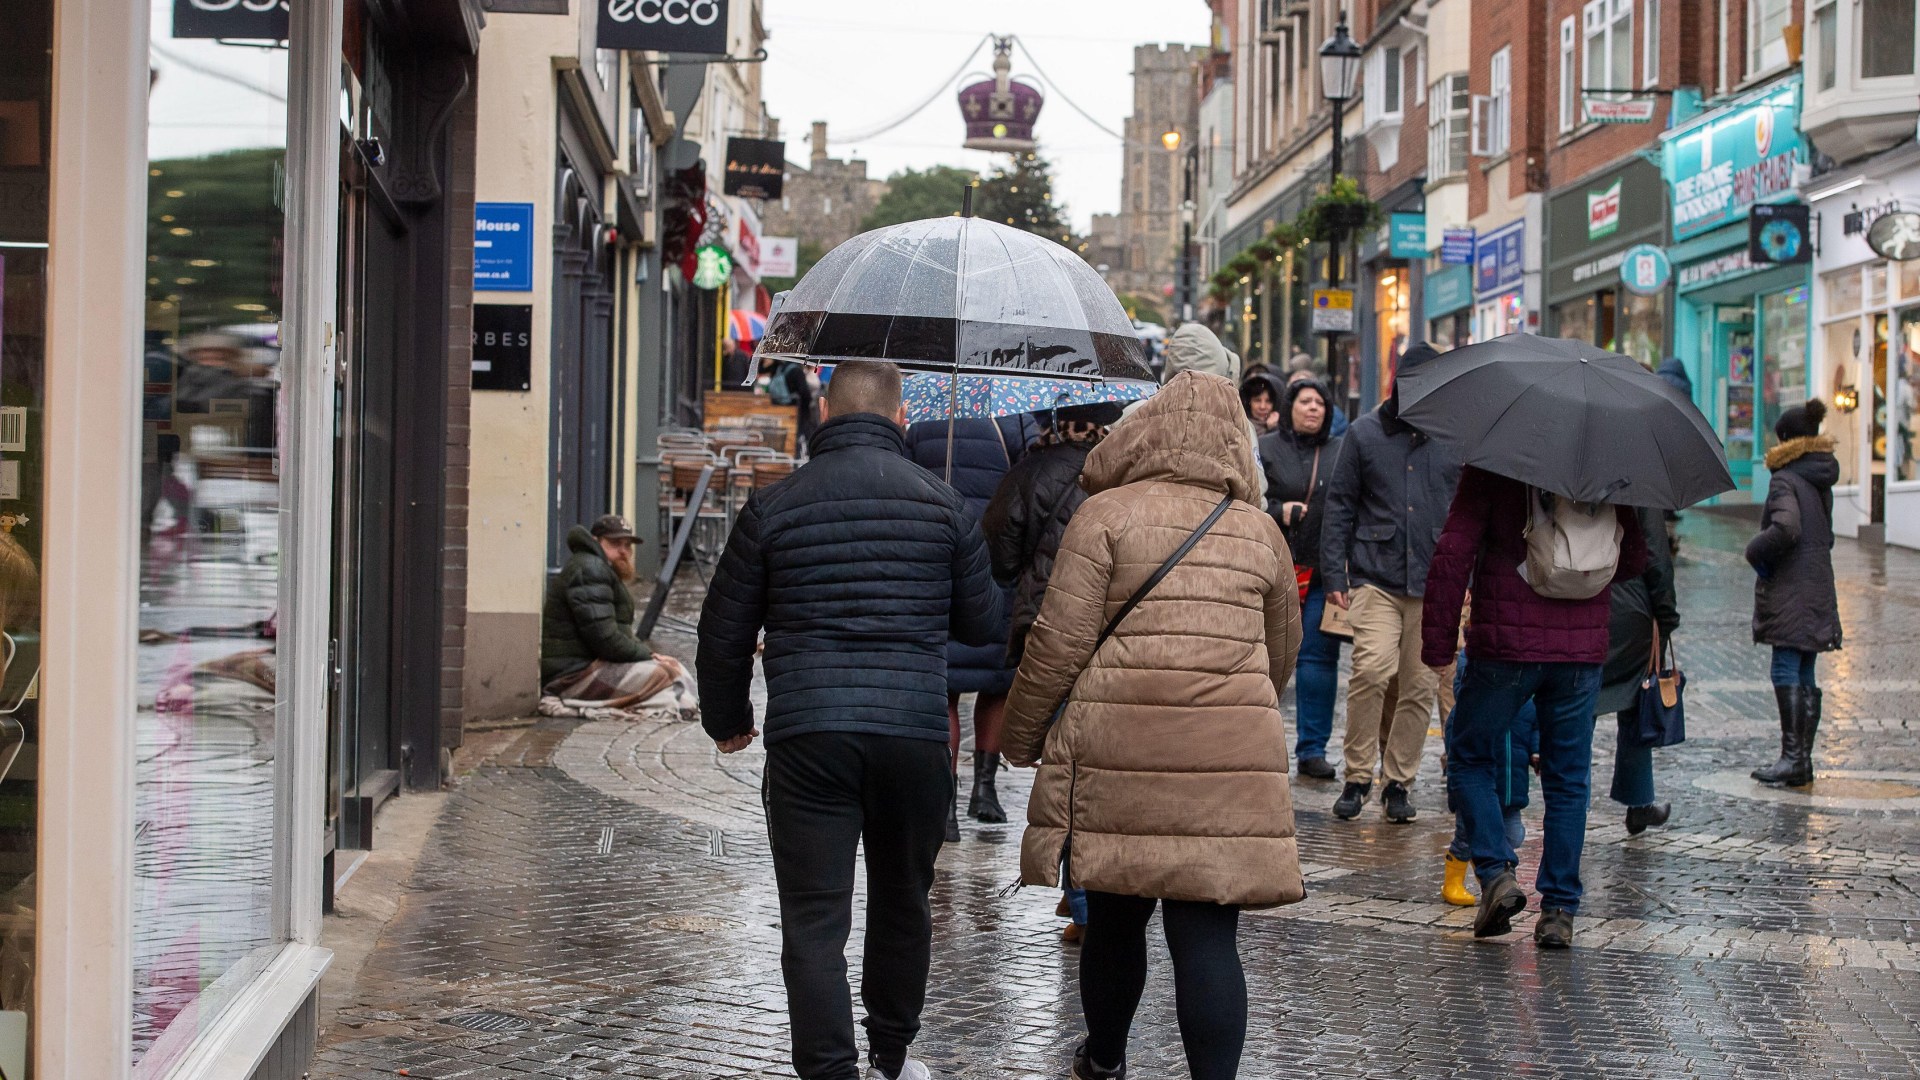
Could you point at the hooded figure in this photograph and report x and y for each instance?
(1795, 608)
(1164, 797)
(1674, 370)
(1276, 394)
(1193, 347)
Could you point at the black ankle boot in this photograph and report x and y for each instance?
(984, 804)
(1792, 769)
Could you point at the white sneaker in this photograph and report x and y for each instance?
(912, 1070)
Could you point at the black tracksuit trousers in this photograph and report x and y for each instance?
(825, 792)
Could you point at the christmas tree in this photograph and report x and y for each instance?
(1021, 195)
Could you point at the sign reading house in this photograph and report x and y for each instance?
(756, 168)
(682, 26)
(242, 20)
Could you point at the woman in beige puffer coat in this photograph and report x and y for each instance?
(1165, 778)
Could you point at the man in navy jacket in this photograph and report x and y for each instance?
(859, 567)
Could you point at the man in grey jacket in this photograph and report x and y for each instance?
(1385, 508)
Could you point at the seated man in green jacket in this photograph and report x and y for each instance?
(588, 651)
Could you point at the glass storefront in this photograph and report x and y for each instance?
(1392, 308)
(1783, 364)
(210, 528)
(1903, 419)
(25, 95)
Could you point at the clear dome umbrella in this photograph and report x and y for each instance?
(959, 296)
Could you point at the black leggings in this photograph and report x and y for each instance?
(1209, 989)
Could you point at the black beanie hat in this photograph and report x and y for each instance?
(1801, 421)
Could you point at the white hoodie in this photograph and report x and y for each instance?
(1193, 347)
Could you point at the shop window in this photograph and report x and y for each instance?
(1766, 45)
(211, 521)
(1392, 304)
(1641, 327)
(1574, 319)
(1903, 419)
(1783, 355)
(1607, 29)
(1887, 51)
(1447, 131)
(1841, 347)
(25, 98)
(1877, 285)
(1909, 272)
(1569, 77)
(1843, 292)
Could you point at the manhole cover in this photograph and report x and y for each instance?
(489, 1021)
(691, 924)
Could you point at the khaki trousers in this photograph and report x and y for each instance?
(1386, 645)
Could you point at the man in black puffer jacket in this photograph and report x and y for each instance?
(860, 566)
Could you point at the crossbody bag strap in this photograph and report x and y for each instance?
(1166, 568)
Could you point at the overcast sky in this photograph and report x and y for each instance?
(858, 64)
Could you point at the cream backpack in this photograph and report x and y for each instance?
(1573, 548)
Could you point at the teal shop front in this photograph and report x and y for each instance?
(1741, 327)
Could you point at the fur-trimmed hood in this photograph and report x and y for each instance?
(1794, 449)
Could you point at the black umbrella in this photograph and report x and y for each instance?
(1569, 418)
(959, 295)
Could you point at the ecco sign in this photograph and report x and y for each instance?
(686, 26)
(246, 20)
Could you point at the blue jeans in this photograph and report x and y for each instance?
(1316, 678)
(1793, 667)
(1632, 767)
(1462, 846)
(1491, 697)
(1077, 904)
(1516, 760)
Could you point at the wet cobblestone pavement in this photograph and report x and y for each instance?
(600, 895)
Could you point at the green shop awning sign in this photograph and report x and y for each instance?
(1723, 163)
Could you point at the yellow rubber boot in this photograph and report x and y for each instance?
(1454, 891)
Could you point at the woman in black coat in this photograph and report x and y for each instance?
(983, 451)
(1298, 459)
(1795, 608)
(1639, 605)
(1263, 396)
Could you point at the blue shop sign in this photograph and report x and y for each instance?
(1645, 269)
(1408, 236)
(1447, 291)
(1500, 259)
(503, 247)
(1456, 247)
(1729, 159)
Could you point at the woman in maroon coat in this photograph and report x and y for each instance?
(1520, 645)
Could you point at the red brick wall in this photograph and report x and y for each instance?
(453, 582)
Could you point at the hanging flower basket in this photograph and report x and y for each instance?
(1339, 210)
(1264, 250)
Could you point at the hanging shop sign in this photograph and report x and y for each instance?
(1332, 311)
(503, 247)
(1603, 210)
(1780, 233)
(756, 168)
(1645, 269)
(1456, 247)
(779, 257)
(1499, 261)
(1447, 291)
(1407, 236)
(1732, 159)
(239, 20)
(712, 266)
(1895, 236)
(681, 26)
(1634, 110)
(503, 346)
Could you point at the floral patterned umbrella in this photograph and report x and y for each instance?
(932, 397)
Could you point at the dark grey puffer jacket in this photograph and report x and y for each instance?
(860, 566)
(1794, 602)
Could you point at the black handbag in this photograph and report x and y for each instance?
(1662, 719)
(1141, 594)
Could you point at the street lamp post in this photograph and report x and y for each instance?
(1190, 165)
(1339, 71)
